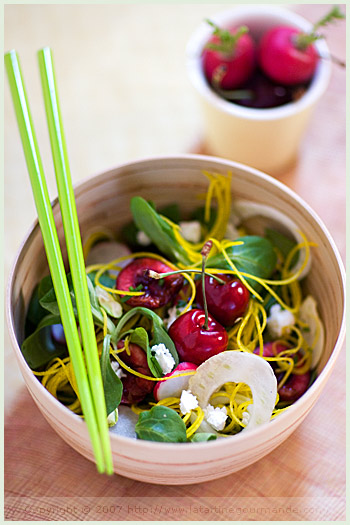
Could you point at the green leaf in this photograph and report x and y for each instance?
(105, 279)
(227, 40)
(39, 348)
(96, 309)
(139, 336)
(171, 211)
(112, 385)
(161, 424)
(255, 256)
(49, 302)
(159, 335)
(35, 311)
(44, 286)
(203, 436)
(158, 230)
(282, 243)
(130, 230)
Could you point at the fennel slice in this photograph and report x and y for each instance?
(314, 335)
(238, 367)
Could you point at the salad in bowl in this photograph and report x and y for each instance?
(206, 219)
(203, 325)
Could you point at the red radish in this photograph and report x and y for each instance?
(229, 57)
(174, 385)
(287, 55)
(194, 342)
(226, 302)
(156, 293)
(281, 59)
(135, 388)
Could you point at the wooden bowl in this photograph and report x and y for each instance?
(104, 200)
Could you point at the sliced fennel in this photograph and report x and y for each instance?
(314, 332)
(112, 418)
(238, 367)
(107, 301)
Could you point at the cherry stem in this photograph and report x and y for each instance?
(156, 275)
(205, 252)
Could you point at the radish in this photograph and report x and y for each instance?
(174, 385)
(229, 57)
(287, 55)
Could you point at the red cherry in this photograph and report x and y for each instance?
(272, 349)
(295, 386)
(135, 388)
(193, 342)
(157, 293)
(282, 61)
(237, 66)
(226, 302)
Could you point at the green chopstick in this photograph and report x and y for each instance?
(52, 248)
(74, 246)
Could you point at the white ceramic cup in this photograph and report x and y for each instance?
(266, 139)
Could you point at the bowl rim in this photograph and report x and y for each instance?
(279, 421)
(195, 73)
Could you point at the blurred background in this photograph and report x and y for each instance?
(125, 94)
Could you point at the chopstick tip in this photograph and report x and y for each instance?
(10, 54)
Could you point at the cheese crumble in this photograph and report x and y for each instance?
(216, 417)
(279, 321)
(188, 402)
(164, 357)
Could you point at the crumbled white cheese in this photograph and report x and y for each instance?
(108, 302)
(216, 417)
(188, 402)
(173, 314)
(142, 238)
(245, 418)
(191, 230)
(279, 321)
(117, 369)
(164, 357)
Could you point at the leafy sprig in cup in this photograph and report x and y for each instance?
(266, 138)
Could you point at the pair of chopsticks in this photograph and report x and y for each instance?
(86, 365)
